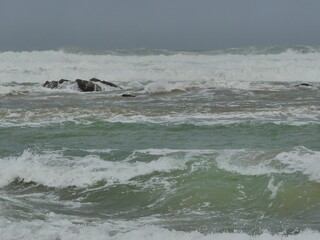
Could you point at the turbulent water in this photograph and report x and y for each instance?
(215, 145)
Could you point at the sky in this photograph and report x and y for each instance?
(27, 25)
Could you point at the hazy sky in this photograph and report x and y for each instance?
(161, 24)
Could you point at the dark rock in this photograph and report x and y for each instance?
(104, 82)
(54, 84)
(63, 80)
(127, 95)
(304, 85)
(88, 86)
(93, 85)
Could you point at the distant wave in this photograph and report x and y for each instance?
(163, 70)
(249, 50)
(118, 52)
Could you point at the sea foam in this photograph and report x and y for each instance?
(304, 160)
(53, 169)
(161, 73)
(65, 229)
(48, 116)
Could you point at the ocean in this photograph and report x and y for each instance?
(214, 145)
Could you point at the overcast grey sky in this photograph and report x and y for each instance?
(161, 24)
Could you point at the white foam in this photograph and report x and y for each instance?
(160, 73)
(165, 86)
(302, 160)
(56, 170)
(245, 162)
(66, 229)
(165, 151)
(273, 188)
(100, 150)
(46, 116)
(248, 162)
(160, 233)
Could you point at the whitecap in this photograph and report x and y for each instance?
(53, 169)
(303, 160)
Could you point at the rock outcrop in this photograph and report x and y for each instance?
(104, 82)
(92, 85)
(55, 84)
(87, 86)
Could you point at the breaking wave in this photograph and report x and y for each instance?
(54, 169)
(242, 68)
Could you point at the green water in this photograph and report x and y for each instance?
(208, 161)
(215, 145)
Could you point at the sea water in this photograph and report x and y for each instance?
(215, 145)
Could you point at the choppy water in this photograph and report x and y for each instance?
(215, 145)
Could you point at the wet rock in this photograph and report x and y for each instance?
(127, 95)
(92, 85)
(104, 82)
(88, 86)
(304, 85)
(52, 84)
(55, 84)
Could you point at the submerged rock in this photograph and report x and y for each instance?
(127, 95)
(304, 85)
(92, 85)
